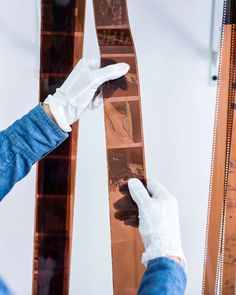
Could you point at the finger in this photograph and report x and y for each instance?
(157, 190)
(87, 64)
(111, 72)
(138, 193)
(93, 64)
(97, 100)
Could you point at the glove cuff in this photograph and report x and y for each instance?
(163, 249)
(58, 111)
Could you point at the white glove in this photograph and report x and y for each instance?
(77, 92)
(158, 221)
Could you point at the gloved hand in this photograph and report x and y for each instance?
(76, 93)
(158, 221)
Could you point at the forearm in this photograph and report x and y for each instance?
(164, 276)
(49, 113)
(25, 142)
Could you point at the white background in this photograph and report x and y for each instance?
(172, 43)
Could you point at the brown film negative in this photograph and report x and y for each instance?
(124, 141)
(58, 18)
(56, 46)
(217, 189)
(229, 259)
(61, 47)
(122, 123)
(115, 41)
(228, 284)
(111, 13)
(220, 256)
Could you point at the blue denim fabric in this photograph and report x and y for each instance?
(164, 276)
(25, 142)
(33, 137)
(3, 289)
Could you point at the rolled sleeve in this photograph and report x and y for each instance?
(164, 276)
(25, 142)
(35, 134)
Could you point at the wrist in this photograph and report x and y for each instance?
(46, 108)
(179, 260)
(164, 248)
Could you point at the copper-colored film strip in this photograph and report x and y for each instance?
(61, 47)
(124, 141)
(220, 256)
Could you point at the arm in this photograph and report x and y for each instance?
(45, 127)
(163, 276)
(160, 232)
(4, 289)
(25, 142)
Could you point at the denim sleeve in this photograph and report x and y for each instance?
(4, 289)
(25, 142)
(164, 276)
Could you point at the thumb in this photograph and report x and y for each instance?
(111, 72)
(158, 191)
(92, 64)
(139, 193)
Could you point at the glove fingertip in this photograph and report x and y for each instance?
(120, 69)
(134, 183)
(138, 192)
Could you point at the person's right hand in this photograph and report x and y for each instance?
(158, 221)
(77, 92)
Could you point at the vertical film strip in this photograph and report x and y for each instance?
(228, 265)
(124, 142)
(61, 47)
(220, 255)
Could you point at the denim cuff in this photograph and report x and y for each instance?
(4, 289)
(169, 263)
(35, 134)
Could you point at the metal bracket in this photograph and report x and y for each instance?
(216, 25)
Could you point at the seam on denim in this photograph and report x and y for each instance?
(42, 117)
(30, 155)
(9, 163)
(25, 151)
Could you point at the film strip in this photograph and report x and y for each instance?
(124, 141)
(220, 256)
(62, 26)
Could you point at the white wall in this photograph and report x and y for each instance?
(172, 43)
